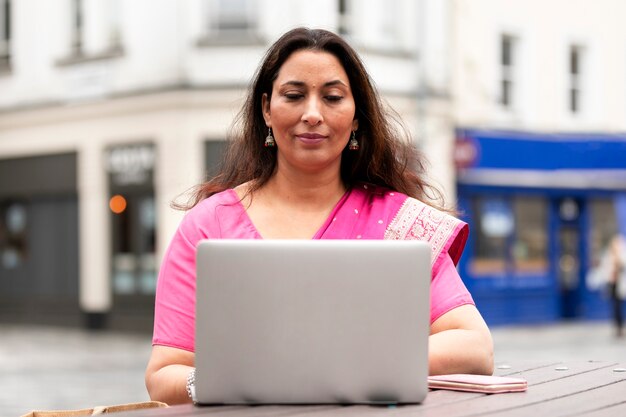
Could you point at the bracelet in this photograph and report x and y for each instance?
(191, 384)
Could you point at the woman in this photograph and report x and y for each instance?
(316, 157)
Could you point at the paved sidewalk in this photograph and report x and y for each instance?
(50, 368)
(562, 341)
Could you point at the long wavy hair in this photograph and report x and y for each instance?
(387, 156)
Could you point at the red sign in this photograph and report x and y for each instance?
(465, 153)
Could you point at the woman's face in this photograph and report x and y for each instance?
(311, 112)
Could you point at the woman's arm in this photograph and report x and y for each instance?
(166, 374)
(460, 343)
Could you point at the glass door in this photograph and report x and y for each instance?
(134, 264)
(568, 256)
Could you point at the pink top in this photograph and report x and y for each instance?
(364, 212)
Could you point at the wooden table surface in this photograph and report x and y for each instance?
(591, 388)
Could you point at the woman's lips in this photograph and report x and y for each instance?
(310, 138)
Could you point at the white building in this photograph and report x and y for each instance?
(134, 98)
(539, 104)
(544, 39)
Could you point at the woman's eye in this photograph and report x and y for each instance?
(293, 96)
(333, 98)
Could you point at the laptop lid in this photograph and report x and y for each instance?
(312, 321)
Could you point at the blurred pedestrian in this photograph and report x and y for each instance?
(610, 275)
(616, 263)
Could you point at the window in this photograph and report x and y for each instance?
(134, 243)
(77, 27)
(529, 247)
(344, 17)
(5, 33)
(109, 12)
(389, 13)
(604, 226)
(132, 204)
(575, 56)
(94, 32)
(494, 224)
(507, 62)
(233, 17)
(510, 236)
(213, 154)
(13, 234)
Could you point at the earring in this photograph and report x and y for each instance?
(354, 144)
(269, 140)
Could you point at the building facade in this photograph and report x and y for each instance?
(110, 110)
(540, 120)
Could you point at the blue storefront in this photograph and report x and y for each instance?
(541, 209)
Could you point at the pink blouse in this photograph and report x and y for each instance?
(364, 212)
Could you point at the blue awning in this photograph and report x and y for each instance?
(504, 158)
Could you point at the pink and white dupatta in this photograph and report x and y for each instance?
(370, 212)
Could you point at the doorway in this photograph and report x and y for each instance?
(568, 256)
(133, 232)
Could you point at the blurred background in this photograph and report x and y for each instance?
(111, 109)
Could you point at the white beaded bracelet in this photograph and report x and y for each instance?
(191, 384)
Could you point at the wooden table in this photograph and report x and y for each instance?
(589, 388)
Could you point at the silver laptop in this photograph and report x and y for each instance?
(312, 321)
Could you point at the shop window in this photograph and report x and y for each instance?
(134, 241)
(494, 225)
(148, 263)
(13, 235)
(603, 227)
(132, 204)
(510, 236)
(529, 247)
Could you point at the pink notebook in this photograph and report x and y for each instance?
(477, 383)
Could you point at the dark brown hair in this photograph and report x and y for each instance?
(386, 156)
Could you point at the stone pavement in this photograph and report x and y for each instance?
(49, 368)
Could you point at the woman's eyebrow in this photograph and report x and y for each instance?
(297, 83)
(335, 82)
(294, 83)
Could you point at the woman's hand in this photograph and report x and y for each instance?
(166, 374)
(460, 343)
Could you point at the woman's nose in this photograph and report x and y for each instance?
(312, 112)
